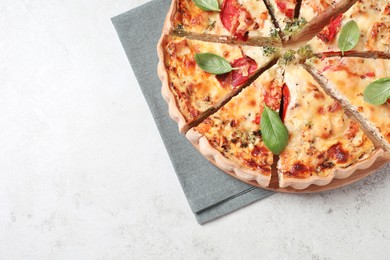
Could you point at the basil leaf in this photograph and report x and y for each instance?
(213, 63)
(207, 5)
(274, 132)
(378, 92)
(349, 36)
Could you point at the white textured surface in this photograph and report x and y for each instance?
(84, 174)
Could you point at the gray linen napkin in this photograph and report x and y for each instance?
(210, 192)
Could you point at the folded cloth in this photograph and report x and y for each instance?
(210, 192)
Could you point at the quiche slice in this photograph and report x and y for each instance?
(192, 92)
(324, 143)
(231, 138)
(347, 78)
(373, 20)
(237, 21)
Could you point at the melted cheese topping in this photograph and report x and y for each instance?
(322, 137)
(373, 21)
(235, 129)
(281, 16)
(350, 77)
(195, 90)
(192, 19)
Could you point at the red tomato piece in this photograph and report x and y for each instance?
(329, 33)
(225, 80)
(269, 99)
(257, 120)
(387, 10)
(246, 67)
(231, 12)
(282, 6)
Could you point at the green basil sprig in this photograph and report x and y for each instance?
(207, 5)
(212, 63)
(378, 92)
(274, 132)
(349, 36)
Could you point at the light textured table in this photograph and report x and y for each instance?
(84, 174)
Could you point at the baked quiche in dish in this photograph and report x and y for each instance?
(291, 93)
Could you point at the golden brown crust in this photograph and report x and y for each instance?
(212, 154)
(337, 173)
(174, 111)
(169, 18)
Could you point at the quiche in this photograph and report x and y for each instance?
(324, 143)
(373, 20)
(281, 94)
(235, 21)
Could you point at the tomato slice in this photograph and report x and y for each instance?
(282, 6)
(387, 10)
(257, 120)
(225, 80)
(245, 67)
(231, 12)
(286, 100)
(370, 74)
(329, 33)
